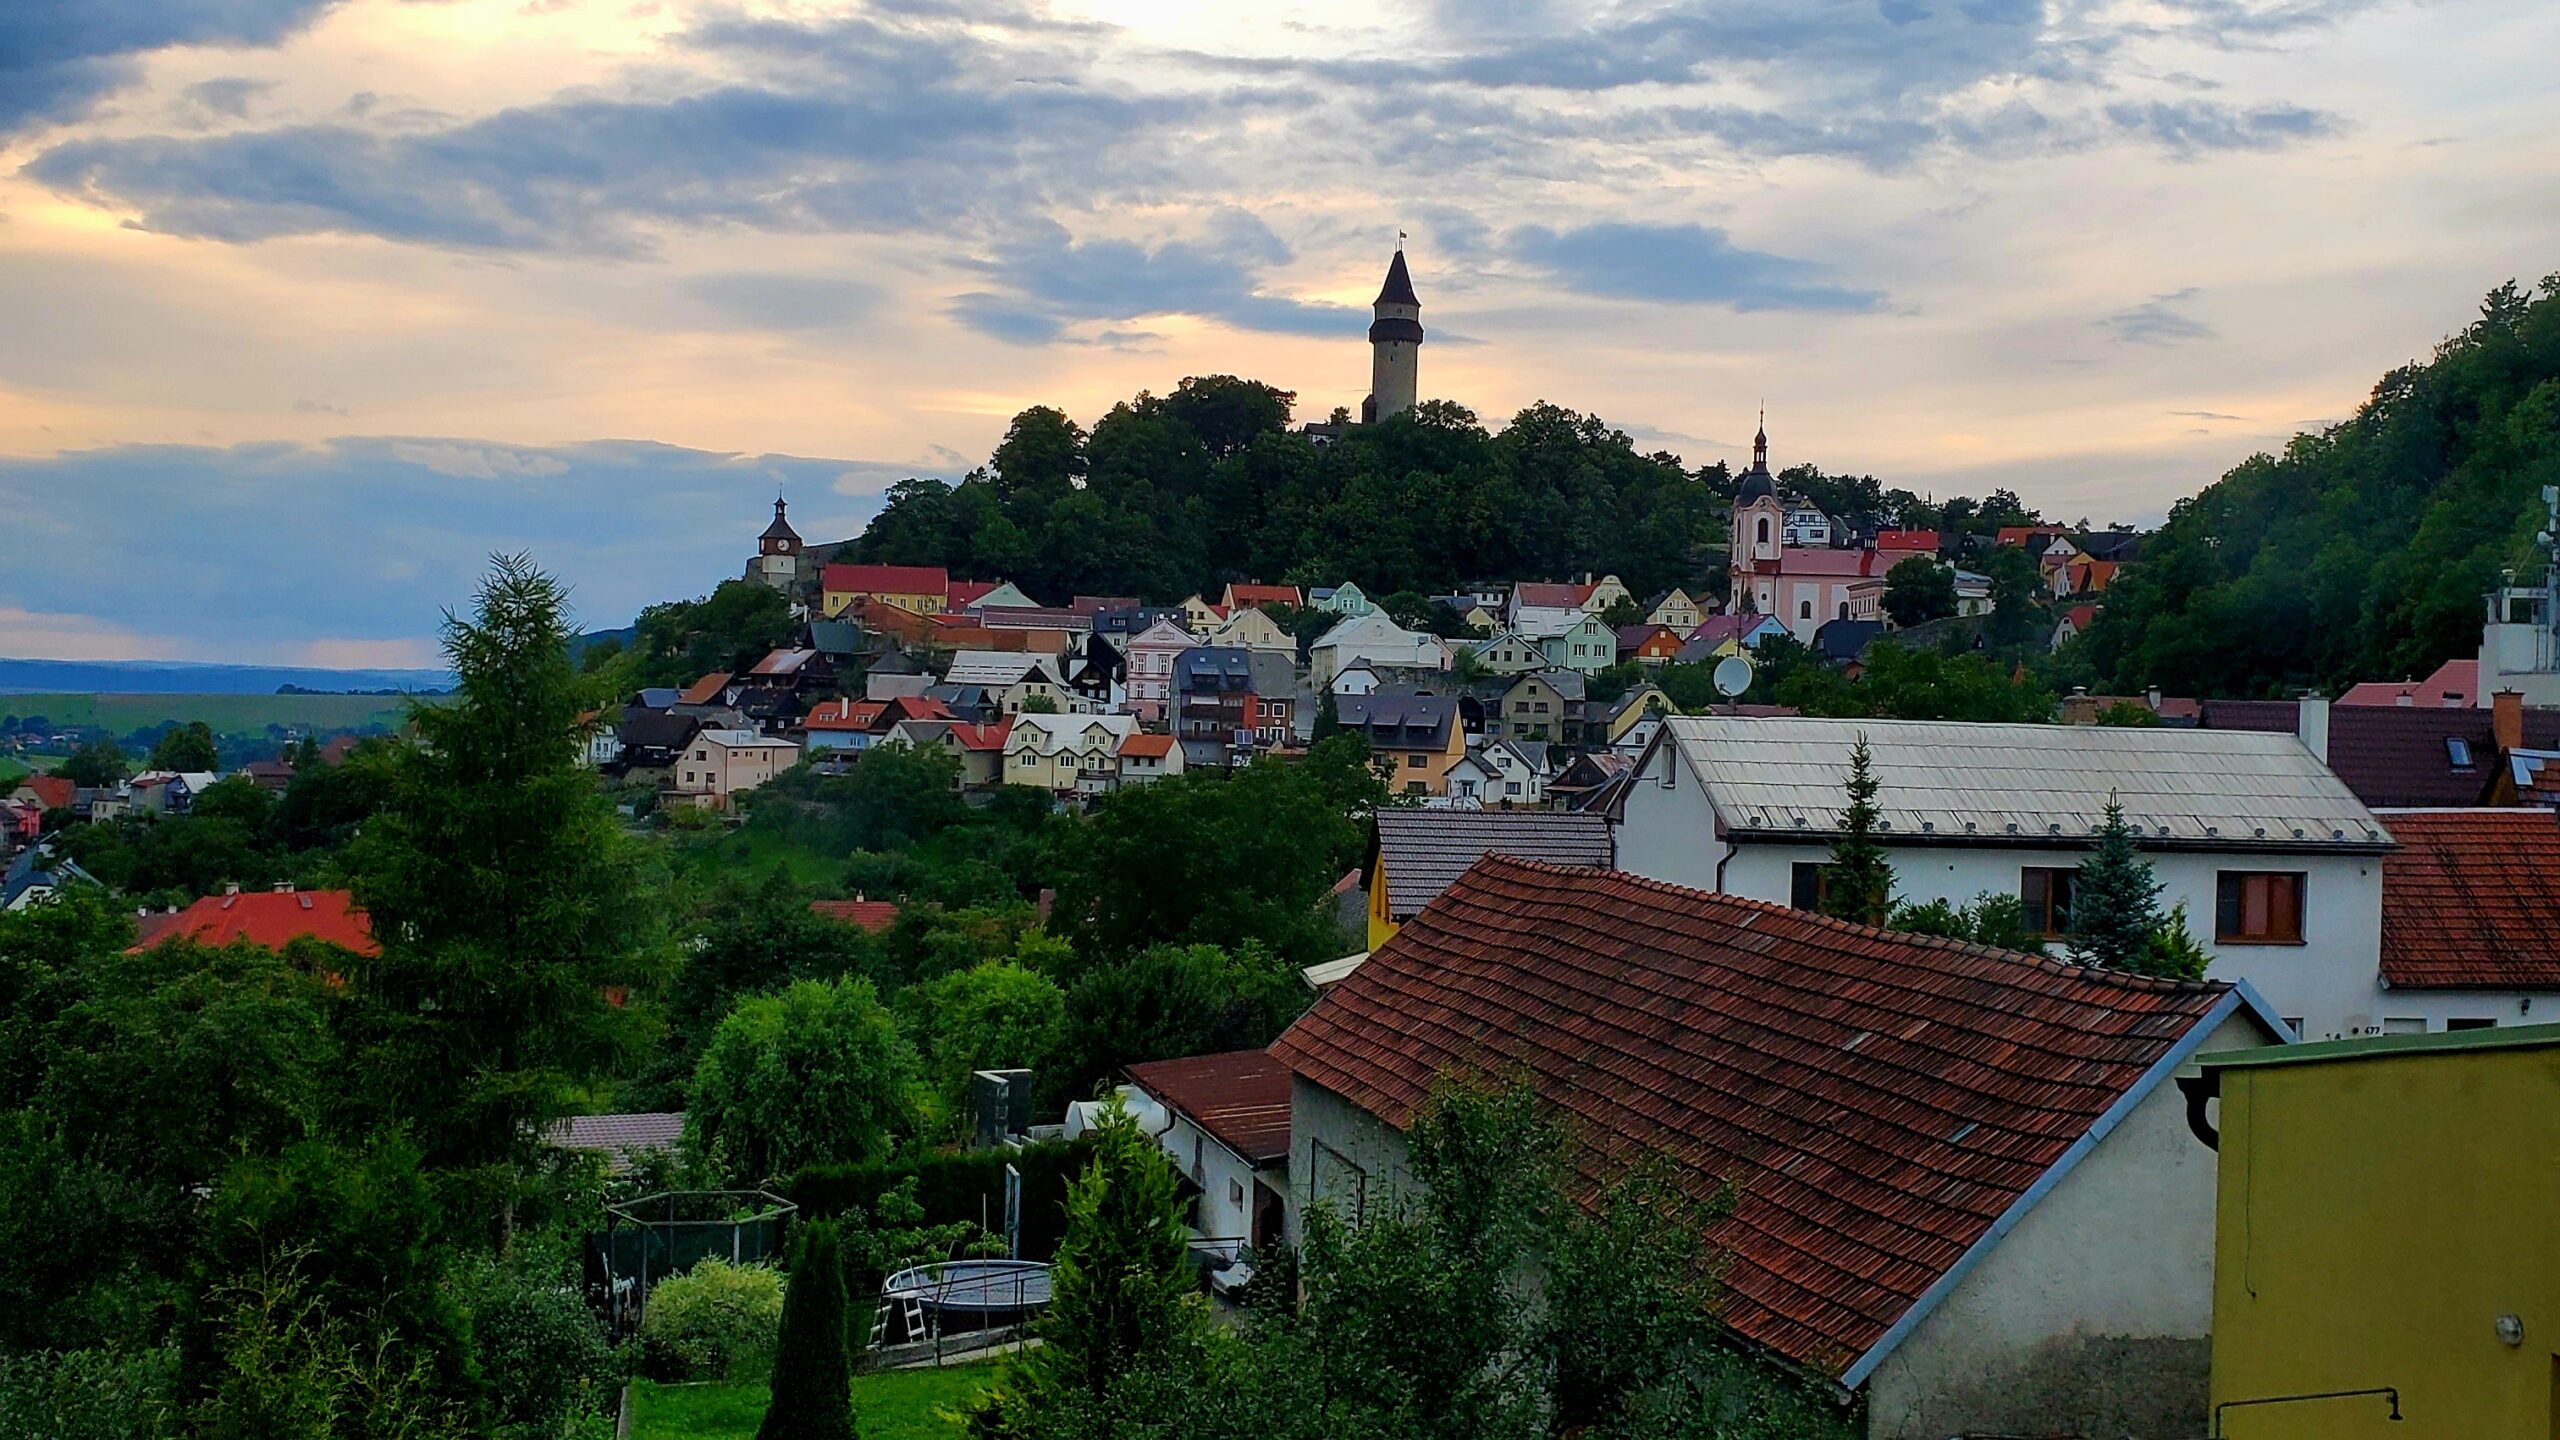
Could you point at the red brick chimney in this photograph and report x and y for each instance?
(2506, 720)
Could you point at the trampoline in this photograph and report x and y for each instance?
(961, 1295)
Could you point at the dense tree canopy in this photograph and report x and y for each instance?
(1180, 493)
(2363, 551)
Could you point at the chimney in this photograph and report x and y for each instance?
(230, 888)
(2152, 697)
(284, 887)
(2311, 723)
(2506, 720)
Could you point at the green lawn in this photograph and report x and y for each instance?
(755, 852)
(10, 770)
(227, 714)
(888, 1405)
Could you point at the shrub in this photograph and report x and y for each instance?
(88, 1395)
(540, 1349)
(966, 1186)
(813, 1372)
(716, 1321)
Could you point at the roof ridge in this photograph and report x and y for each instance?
(2047, 963)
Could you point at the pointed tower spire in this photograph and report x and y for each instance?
(1395, 343)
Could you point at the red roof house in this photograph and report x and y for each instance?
(1239, 1099)
(2471, 900)
(272, 918)
(2454, 685)
(872, 916)
(1549, 595)
(1248, 593)
(53, 792)
(1908, 542)
(1886, 1108)
(886, 580)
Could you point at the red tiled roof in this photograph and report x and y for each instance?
(982, 737)
(2472, 898)
(2454, 685)
(871, 915)
(2081, 617)
(705, 690)
(833, 715)
(1907, 540)
(1096, 604)
(1241, 1098)
(959, 593)
(886, 579)
(1878, 1101)
(271, 918)
(1245, 593)
(1814, 560)
(1550, 594)
(55, 791)
(1147, 747)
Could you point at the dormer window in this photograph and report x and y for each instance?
(2458, 750)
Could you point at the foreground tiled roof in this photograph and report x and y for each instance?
(1241, 1098)
(272, 918)
(871, 915)
(1427, 850)
(2472, 898)
(1878, 1101)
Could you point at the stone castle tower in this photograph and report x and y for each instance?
(1395, 346)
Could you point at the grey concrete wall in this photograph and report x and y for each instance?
(1339, 1154)
(2094, 1315)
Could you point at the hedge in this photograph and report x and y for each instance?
(964, 1186)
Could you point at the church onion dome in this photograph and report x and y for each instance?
(1395, 328)
(1756, 485)
(1399, 287)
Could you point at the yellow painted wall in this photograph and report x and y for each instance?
(1381, 928)
(2376, 1216)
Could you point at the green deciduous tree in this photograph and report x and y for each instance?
(188, 748)
(818, 1074)
(992, 1016)
(97, 763)
(1989, 919)
(812, 1367)
(1919, 589)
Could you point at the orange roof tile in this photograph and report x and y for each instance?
(705, 690)
(1147, 747)
(1878, 1100)
(2471, 898)
(272, 918)
(873, 916)
(1241, 1098)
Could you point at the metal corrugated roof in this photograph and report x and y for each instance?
(1953, 781)
(997, 668)
(1425, 851)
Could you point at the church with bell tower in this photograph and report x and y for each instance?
(1801, 586)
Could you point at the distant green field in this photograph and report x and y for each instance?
(227, 714)
(10, 769)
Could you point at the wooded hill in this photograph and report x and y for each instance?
(2362, 552)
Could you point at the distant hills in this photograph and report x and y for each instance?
(175, 677)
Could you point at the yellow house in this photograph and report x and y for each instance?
(919, 589)
(1674, 608)
(1606, 591)
(1628, 712)
(2386, 1222)
(1199, 615)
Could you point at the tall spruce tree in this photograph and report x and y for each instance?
(2115, 899)
(1858, 883)
(812, 1368)
(506, 900)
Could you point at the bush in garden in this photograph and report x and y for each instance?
(716, 1321)
(539, 1348)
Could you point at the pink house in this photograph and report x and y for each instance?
(1151, 653)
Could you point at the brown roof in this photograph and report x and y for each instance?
(2472, 898)
(2397, 754)
(1551, 594)
(1878, 1101)
(706, 690)
(1425, 851)
(1241, 1098)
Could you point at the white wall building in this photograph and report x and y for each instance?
(1380, 641)
(2278, 864)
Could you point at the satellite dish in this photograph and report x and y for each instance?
(1733, 676)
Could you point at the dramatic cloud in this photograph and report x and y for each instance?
(1682, 265)
(2157, 321)
(348, 550)
(1051, 281)
(58, 58)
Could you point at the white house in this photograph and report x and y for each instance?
(1151, 654)
(1224, 1121)
(1806, 523)
(2470, 920)
(1066, 752)
(1145, 758)
(2278, 864)
(1356, 678)
(1380, 641)
(1011, 677)
(1499, 773)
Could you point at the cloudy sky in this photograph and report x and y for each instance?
(307, 305)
